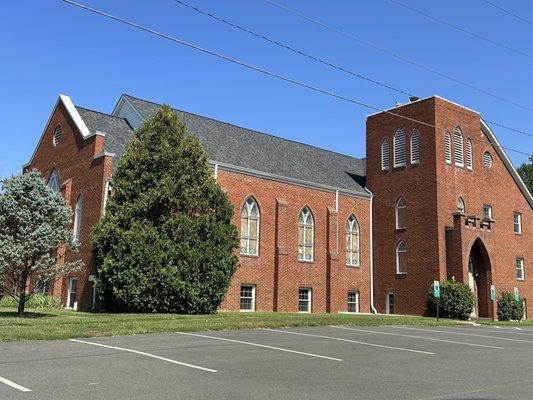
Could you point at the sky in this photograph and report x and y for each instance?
(49, 48)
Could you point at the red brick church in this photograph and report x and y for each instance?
(436, 197)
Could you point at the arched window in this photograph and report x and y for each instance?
(53, 181)
(487, 159)
(401, 258)
(401, 205)
(385, 154)
(352, 242)
(57, 135)
(458, 147)
(250, 227)
(448, 148)
(460, 205)
(78, 211)
(469, 159)
(306, 228)
(415, 148)
(399, 148)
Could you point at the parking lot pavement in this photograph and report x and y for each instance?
(298, 363)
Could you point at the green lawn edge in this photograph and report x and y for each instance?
(53, 324)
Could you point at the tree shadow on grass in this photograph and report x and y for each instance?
(27, 314)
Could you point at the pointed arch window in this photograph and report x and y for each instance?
(458, 147)
(401, 206)
(460, 205)
(448, 148)
(415, 148)
(250, 227)
(53, 181)
(401, 258)
(78, 213)
(385, 154)
(399, 148)
(306, 231)
(469, 156)
(352, 242)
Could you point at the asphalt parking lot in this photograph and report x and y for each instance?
(299, 363)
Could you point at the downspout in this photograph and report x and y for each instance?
(372, 308)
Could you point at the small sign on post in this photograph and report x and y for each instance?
(436, 294)
(493, 299)
(516, 295)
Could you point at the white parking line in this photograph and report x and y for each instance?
(418, 337)
(466, 334)
(142, 353)
(352, 341)
(14, 385)
(262, 345)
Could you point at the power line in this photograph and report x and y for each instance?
(474, 34)
(292, 49)
(314, 58)
(509, 12)
(261, 70)
(395, 55)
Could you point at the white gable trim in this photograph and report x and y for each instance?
(76, 117)
(510, 167)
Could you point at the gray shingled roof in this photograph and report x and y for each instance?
(240, 147)
(117, 130)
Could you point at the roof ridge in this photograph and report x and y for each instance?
(248, 129)
(101, 112)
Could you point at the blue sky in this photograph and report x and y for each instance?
(49, 47)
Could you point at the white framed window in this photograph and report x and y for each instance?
(247, 298)
(460, 205)
(389, 300)
(353, 301)
(400, 210)
(250, 227)
(385, 154)
(415, 148)
(53, 181)
(458, 147)
(401, 258)
(487, 160)
(517, 219)
(520, 269)
(399, 148)
(487, 211)
(72, 292)
(78, 215)
(57, 135)
(448, 148)
(306, 232)
(469, 159)
(108, 190)
(304, 300)
(352, 242)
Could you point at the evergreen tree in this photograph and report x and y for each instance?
(166, 241)
(526, 173)
(34, 222)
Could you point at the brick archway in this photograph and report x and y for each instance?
(480, 277)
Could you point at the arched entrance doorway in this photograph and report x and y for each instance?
(480, 278)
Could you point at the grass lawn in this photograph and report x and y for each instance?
(63, 324)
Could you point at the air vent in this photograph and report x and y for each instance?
(487, 159)
(57, 135)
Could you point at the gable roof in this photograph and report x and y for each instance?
(246, 150)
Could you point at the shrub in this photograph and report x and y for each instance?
(36, 301)
(456, 300)
(509, 309)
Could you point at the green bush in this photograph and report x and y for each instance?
(509, 309)
(456, 300)
(37, 301)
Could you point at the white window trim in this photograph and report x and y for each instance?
(411, 147)
(357, 231)
(69, 294)
(469, 154)
(456, 148)
(305, 226)
(253, 297)
(398, 272)
(356, 302)
(521, 269)
(387, 302)
(489, 207)
(448, 148)
(396, 209)
(78, 217)
(385, 166)
(309, 300)
(519, 223)
(247, 238)
(399, 131)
